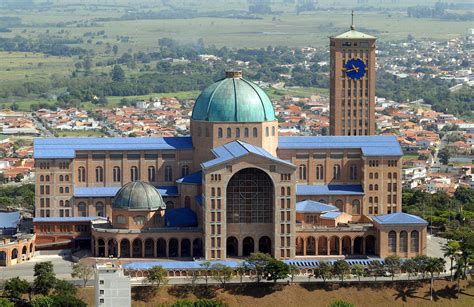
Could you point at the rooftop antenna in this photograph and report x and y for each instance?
(352, 25)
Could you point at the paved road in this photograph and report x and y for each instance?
(62, 268)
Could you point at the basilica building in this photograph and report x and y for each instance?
(234, 186)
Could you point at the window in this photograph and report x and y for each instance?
(336, 172)
(229, 132)
(376, 187)
(61, 178)
(414, 241)
(392, 241)
(116, 176)
(246, 132)
(302, 172)
(267, 131)
(81, 174)
(42, 178)
(184, 170)
(120, 219)
(273, 131)
(319, 172)
(82, 209)
(168, 173)
(237, 132)
(187, 202)
(255, 132)
(219, 133)
(340, 205)
(355, 206)
(99, 209)
(99, 174)
(133, 173)
(151, 174)
(353, 172)
(371, 175)
(403, 242)
(139, 220)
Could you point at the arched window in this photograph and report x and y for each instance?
(229, 132)
(42, 178)
(81, 174)
(414, 241)
(389, 175)
(66, 178)
(267, 131)
(237, 132)
(394, 175)
(99, 174)
(302, 173)
(61, 178)
(246, 132)
(404, 242)
(376, 175)
(288, 191)
(99, 209)
(371, 175)
(353, 172)
(319, 172)
(61, 190)
(139, 220)
(168, 173)
(376, 187)
(340, 205)
(273, 131)
(116, 174)
(255, 133)
(151, 174)
(66, 203)
(336, 172)
(184, 170)
(282, 191)
(133, 173)
(219, 133)
(61, 203)
(356, 206)
(47, 178)
(392, 241)
(82, 209)
(66, 189)
(371, 187)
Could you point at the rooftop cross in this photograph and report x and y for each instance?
(352, 25)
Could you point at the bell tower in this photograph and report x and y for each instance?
(352, 83)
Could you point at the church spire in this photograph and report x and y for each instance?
(352, 25)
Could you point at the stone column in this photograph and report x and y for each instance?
(143, 248)
(363, 245)
(118, 248)
(155, 249)
(106, 248)
(328, 252)
(352, 246)
(96, 254)
(304, 246)
(340, 246)
(316, 246)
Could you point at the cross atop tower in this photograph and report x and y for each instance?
(352, 25)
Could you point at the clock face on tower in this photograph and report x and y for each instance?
(355, 68)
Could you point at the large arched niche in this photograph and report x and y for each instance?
(250, 197)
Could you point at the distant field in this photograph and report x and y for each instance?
(77, 133)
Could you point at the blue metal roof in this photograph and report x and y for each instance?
(332, 189)
(194, 178)
(170, 265)
(66, 147)
(237, 149)
(370, 145)
(180, 217)
(199, 199)
(330, 215)
(315, 263)
(167, 191)
(10, 219)
(311, 206)
(399, 218)
(69, 219)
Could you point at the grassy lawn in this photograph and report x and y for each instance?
(78, 133)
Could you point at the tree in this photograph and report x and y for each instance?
(16, 287)
(67, 301)
(6, 303)
(324, 271)
(358, 270)
(45, 278)
(276, 269)
(409, 266)
(63, 287)
(341, 268)
(434, 266)
(82, 271)
(115, 49)
(451, 249)
(376, 269)
(393, 265)
(444, 155)
(206, 265)
(258, 262)
(156, 276)
(42, 301)
(293, 271)
(118, 74)
(222, 273)
(241, 271)
(341, 303)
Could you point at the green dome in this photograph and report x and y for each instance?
(233, 99)
(138, 195)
